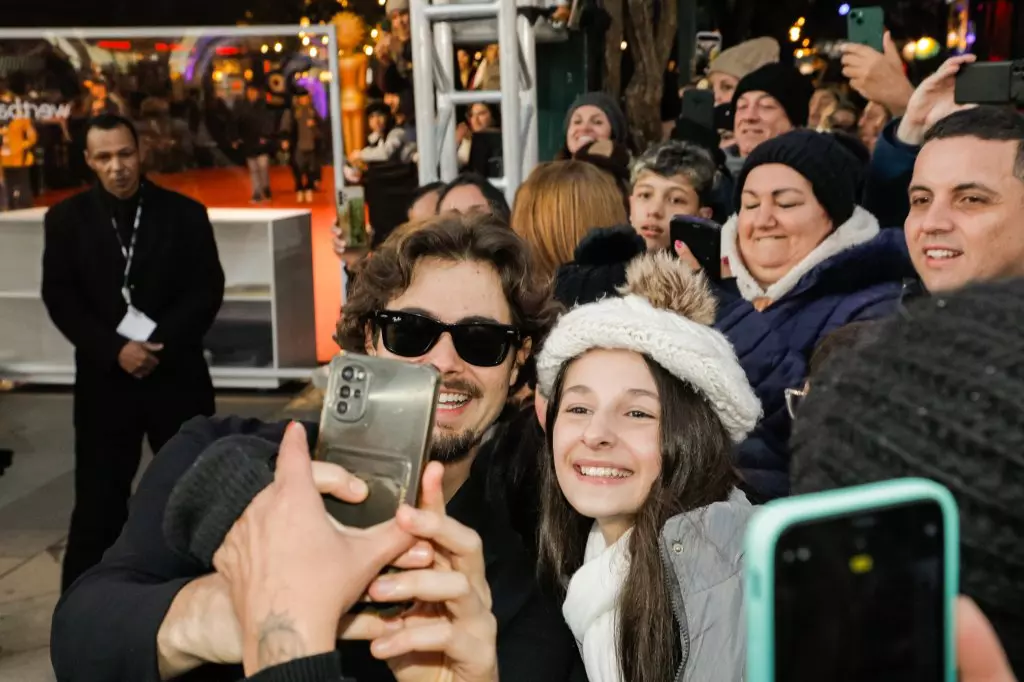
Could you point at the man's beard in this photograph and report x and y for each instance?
(450, 448)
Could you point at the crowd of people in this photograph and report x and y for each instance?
(614, 409)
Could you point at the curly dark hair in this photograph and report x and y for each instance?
(477, 237)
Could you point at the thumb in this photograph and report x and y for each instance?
(294, 465)
(980, 657)
(153, 347)
(431, 489)
(889, 48)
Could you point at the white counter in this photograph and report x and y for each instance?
(265, 332)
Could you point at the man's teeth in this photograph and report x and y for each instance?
(453, 399)
(605, 472)
(940, 254)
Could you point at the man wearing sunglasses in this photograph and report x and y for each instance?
(459, 293)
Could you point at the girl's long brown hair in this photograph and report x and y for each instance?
(696, 470)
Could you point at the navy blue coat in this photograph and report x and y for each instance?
(774, 346)
(889, 176)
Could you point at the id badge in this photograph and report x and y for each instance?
(136, 325)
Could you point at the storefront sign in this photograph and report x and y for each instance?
(41, 112)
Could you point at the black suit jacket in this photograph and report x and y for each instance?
(176, 279)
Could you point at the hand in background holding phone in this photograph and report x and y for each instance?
(980, 657)
(878, 76)
(450, 634)
(932, 101)
(685, 255)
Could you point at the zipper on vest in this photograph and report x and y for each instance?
(679, 611)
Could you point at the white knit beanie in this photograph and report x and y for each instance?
(665, 313)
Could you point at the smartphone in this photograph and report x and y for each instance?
(990, 83)
(377, 423)
(853, 585)
(699, 106)
(866, 26)
(704, 239)
(724, 118)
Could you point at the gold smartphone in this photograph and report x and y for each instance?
(377, 423)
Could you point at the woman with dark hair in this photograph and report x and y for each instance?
(641, 519)
(470, 192)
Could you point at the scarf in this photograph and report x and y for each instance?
(591, 605)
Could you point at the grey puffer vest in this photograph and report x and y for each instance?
(702, 552)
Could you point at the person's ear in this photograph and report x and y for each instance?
(522, 355)
(371, 347)
(706, 212)
(540, 405)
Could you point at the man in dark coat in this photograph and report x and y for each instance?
(132, 278)
(149, 612)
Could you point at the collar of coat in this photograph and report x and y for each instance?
(862, 227)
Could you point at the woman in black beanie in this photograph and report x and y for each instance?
(806, 260)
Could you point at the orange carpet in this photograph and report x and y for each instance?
(229, 188)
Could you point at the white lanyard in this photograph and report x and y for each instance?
(128, 253)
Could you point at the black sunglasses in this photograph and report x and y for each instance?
(410, 335)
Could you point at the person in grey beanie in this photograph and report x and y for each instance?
(594, 116)
(938, 393)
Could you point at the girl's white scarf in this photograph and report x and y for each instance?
(591, 605)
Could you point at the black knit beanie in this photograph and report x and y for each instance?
(611, 109)
(939, 394)
(599, 265)
(832, 169)
(786, 84)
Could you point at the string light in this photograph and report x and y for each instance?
(374, 33)
(312, 52)
(265, 49)
(794, 34)
(305, 40)
(623, 45)
(324, 40)
(278, 47)
(368, 50)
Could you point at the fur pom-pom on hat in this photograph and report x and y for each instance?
(664, 313)
(666, 284)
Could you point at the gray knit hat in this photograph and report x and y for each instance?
(939, 393)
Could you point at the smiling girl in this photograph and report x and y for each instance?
(642, 522)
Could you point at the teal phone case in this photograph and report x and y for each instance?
(866, 26)
(772, 519)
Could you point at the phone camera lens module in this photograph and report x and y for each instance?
(345, 391)
(342, 408)
(788, 556)
(348, 373)
(360, 375)
(931, 529)
(803, 554)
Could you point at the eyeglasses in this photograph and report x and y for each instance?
(794, 396)
(410, 335)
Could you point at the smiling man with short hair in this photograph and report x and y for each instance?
(967, 198)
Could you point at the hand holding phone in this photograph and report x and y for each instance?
(703, 238)
(854, 585)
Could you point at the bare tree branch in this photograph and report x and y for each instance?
(613, 47)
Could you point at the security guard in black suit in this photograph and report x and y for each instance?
(132, 278)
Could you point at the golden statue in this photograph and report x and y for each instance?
(352, 66)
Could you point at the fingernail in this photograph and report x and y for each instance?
(420, 553)
(678, 244)
(384, 587)
(358, 486)
(381, 647)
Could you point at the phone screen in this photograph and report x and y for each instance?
(859, 598)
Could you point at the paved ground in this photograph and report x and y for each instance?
(36, 495)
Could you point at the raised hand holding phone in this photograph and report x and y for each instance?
(450, 634)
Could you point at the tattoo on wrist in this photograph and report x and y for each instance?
(279, 641)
